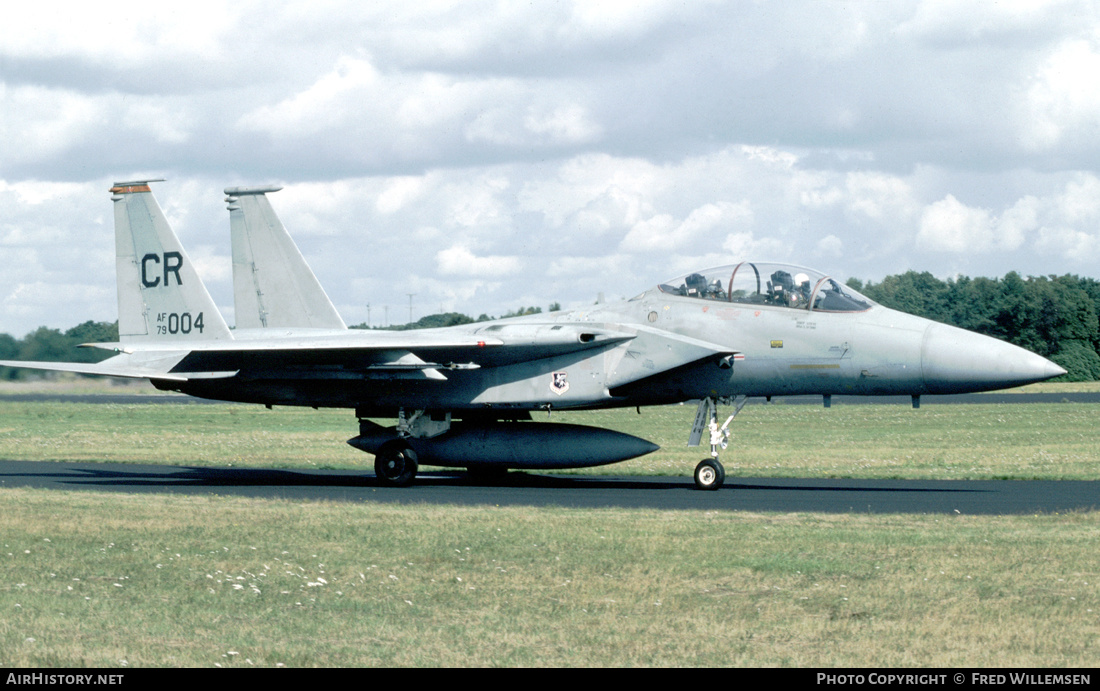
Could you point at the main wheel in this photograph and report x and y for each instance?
(396, 464)
(709, 474)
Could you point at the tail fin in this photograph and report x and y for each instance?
(272, 284)
(160, 296)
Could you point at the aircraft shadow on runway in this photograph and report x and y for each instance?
(194, 476)
(990, 497)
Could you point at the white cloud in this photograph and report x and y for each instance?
(168, 121)
(1069, 222)
(325, 105)
(34, 193)
(1079, 204)
(954, 23)
(98, 31)
(1018, 222)
(1069, 243)
(1063, 102)
(880, 196)
(608, 270)
(569, 123)
(459, 261)
(1065, 223)
(606, 190)
(42, 122)
(652, 233)
(55, 304)
(950, 226)
(399, 192)
(830, 247)
(744, 246)
(662, 233)
(210, 265)
(476, 207)
(523, 117)
(772, 156)
(480, 153)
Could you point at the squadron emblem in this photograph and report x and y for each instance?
(558, 383)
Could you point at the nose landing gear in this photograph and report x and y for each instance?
(710, 474)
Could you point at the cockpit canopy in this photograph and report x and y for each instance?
(754, 283)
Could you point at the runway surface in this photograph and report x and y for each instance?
(993, 497)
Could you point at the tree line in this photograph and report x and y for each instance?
(53, 345)
(1057, 317)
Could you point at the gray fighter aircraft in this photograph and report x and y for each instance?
(463, 396)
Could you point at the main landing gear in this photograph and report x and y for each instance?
(710, 474)
(396, 464)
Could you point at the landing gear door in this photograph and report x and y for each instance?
(702, 416)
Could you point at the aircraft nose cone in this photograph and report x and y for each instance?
(954, 360)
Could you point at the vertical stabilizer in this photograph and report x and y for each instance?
(272, 284)
(160, 296)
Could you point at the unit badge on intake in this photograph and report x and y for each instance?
(559, 384)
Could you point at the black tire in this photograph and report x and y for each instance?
(396, 464)
(709, 474)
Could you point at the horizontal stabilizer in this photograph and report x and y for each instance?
(124, 366)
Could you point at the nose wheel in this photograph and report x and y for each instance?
(709, 474)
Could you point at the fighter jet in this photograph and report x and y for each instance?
(463, 396)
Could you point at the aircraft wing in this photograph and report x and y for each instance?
(355, 353)
(398, 354)
(388, 353)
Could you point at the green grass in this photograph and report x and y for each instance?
(120, 580)
(108, 580)
(1051, 441)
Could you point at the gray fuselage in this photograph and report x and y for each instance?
(770, 350)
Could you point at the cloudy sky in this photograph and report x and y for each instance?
(489, 155)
